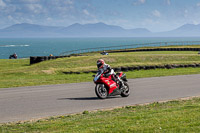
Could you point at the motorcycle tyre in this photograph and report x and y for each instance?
(97, 91)
(125, 94)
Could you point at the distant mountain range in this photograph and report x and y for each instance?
(24, 30)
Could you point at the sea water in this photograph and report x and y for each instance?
(26, 47)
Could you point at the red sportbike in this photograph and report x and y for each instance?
(110, 86)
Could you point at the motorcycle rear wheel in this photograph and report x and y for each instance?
(101, 91)
(126, 91)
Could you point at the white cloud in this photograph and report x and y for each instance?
(156, 13)
(68, 2)
(185, 13)
(49, 19)
(139, 2)
(28, 1)
(198, 4)
(36, 8)
(87, 16)
(10, 17)
(28, 20)
(2, 4)
(142, 1)
(86, 12)
(195, 22)
(7, 0)
(168, 2)
(120, 22)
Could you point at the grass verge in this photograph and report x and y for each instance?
(172, 116)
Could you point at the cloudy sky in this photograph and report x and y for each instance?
(155, 15)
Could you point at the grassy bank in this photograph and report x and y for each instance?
(17, 80)
(15, 73)
(174, 116)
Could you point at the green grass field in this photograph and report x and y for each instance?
(15, 73)
(174, 116)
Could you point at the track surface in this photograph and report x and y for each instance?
(25, 103)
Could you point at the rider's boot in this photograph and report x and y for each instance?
(122, 83)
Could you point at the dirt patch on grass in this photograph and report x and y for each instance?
(50, 71)
(110, 60)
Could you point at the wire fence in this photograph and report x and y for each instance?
(124, 47)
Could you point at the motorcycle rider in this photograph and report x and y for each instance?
(105, 69)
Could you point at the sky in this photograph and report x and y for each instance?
(155, 15)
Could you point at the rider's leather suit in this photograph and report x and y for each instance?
(107, 71)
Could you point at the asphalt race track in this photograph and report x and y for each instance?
(26, 103)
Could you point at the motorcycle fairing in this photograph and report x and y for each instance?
(115, 92)
(120, 74)
(109, 83)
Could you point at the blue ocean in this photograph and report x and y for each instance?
(26, 47)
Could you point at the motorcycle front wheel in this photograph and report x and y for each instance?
(101, 91)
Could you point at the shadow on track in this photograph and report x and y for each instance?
(87, 98)
(80, 98)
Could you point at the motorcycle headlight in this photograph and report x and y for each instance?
(95, 79)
